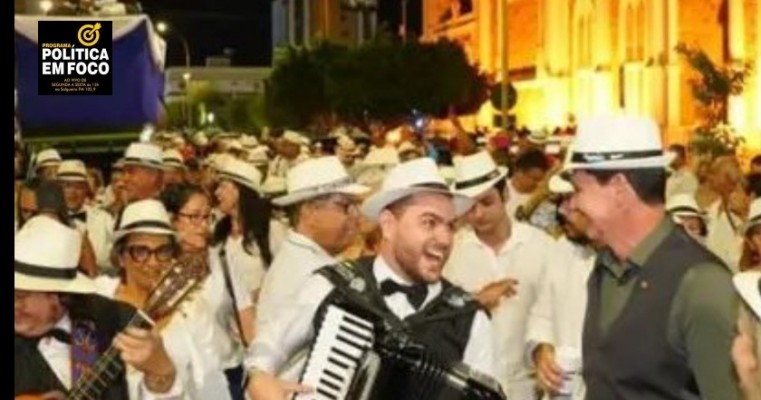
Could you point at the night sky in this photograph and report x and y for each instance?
(244, 26)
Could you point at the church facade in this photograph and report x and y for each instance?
(588, 57)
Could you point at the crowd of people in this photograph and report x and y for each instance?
(599, 265)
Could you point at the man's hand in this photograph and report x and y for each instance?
(144, 350)
(746, 365)
(264, 386)
(492, 293)
(547, 370)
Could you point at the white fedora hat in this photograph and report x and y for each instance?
(315, 177)
(384, 156)
(144, 154)
(242, 172)
(748, 285)
(258, 155)
(144, 216)
(295, 138)
(754, 216)
(72, 171)
(684, 205)
(172, 158)
(46, 255)
(539, 136)
(249, 141)
(274, 186)
(476, 173)
(415, 176)
(618, 142)
(47, 157)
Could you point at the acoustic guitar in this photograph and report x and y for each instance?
(183, 278)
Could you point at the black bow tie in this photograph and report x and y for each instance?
(82, 216)
(416, 294)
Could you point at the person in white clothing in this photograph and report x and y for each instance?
(289, 153)
(62, 327)
(96, 223)
(556, 320)
(502, 262)
(322, 202)
(145, 249)
(189, 207)
(685, 212)
(416, 212)
(726, 214)
(242, 235)
(681, 179)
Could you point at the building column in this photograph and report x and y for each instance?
(736, 26)
(673, 75)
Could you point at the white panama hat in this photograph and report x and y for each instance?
(476, 173)
(242, 172)
(72, 171)
(47, 157)
(144, 154)
(46, 255)
(144, 216)
(316, 177)
(420, 175)
(618, 142)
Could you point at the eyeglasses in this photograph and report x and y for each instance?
(140, 253)
(197, 218)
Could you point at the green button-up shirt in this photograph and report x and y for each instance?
(702, 320)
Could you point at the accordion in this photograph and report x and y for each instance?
(348, 361)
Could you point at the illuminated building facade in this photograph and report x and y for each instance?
(590, 57)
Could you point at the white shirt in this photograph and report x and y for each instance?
(227, 345)
(58, 356)
(557, 317)
(250, 265)
(298, 258)
(681, 181)
(524, 257)
(100, 230)
(515, 199)
(188, 339)
(292, 331)
(722, 239)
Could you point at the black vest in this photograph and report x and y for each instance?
(33, 375)
(442, 326)
(635, 360)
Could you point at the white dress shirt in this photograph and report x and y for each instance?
(188, 339)
(292, 332)
(557, 317)
(524, 257)
(99, 228)
(58, 356)
(722, 239)
(298, 258)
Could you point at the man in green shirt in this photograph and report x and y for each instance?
(661, 311)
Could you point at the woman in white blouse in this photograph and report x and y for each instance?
(230, 303)
(145, 247)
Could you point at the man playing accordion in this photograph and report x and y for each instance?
(396, 305)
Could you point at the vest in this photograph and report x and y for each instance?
(442, 326)
(634, 360)
(32, 373)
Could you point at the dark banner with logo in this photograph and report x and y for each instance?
(75, 57)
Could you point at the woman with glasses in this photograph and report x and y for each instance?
(190, 209)
(145, 248)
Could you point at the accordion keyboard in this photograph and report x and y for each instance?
(342, 342)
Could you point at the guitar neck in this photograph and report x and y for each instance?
(107, 369)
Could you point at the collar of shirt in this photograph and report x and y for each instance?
(382, 271)
(303, 241)
(519, 234)
(641, 253)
